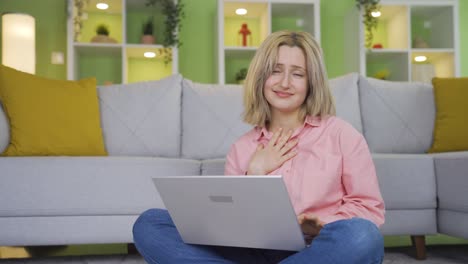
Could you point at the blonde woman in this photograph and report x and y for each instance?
(325, 163)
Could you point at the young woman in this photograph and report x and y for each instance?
(325, 163)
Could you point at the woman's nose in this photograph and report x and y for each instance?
(285, 80)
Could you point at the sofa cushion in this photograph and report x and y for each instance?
(213, 166)
(452, 180)
(346, 95)
(80, 186)
(142, 119)
(211, 119)
(397, 117)
(451, 126)
(406, 222)
(66, 230)
(407, 181)
(452, 223)
(50, 117)
(4, 130)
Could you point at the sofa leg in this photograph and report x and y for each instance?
(131, 249)
(419, 244)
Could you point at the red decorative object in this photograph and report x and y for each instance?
(244, 31)
(377, 46)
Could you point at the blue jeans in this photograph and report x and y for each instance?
(346, 241)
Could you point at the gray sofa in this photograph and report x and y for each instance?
(177, 127)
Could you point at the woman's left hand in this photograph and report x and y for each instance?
(310, 224)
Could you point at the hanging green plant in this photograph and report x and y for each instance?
(370, 22)
(174, 14)
(78, 14)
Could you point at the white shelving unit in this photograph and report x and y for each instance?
(406, 30)
(121, 62)
(262, 18)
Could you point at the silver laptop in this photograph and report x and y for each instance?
(238, 211)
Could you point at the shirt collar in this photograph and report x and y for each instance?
(308, 121)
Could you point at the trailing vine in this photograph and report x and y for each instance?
(78, 13)
(174, 14)
(369, 21)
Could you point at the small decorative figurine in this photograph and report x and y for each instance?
(244, 31)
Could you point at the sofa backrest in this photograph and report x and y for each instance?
(346, 94)
(142, 119)
(4, 130)
(397, 117)
(212, 115)
(175, 117)
(211, 119)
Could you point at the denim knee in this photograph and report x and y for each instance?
(366, 237)
(147, 220)
(358, 239)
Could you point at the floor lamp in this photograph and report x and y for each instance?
(19, 42)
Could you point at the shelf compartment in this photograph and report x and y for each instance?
(295, 17)
(99, 60)
(139, 68)
(112, 18)
(237, 59)
(390, 31)
(137, 14)
(256, 20)
(432, 27)
(438, 64)
(396, 63)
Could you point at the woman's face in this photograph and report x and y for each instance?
(286, 88)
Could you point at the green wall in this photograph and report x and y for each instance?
(197, 54)
(332, 13)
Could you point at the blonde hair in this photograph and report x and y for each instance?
(319, 101)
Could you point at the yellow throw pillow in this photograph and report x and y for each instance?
(451, 124)
(50, 117)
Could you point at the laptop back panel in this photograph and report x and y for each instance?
(238, 211)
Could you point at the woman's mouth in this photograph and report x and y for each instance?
(282, 94)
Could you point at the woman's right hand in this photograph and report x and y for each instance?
(276, 152)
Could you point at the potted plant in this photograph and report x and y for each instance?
(102, 35)
(370, 22)
(240, 75)
(174, 14)
(102, 30)
(148, 28)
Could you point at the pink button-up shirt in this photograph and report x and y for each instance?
(332, 176)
